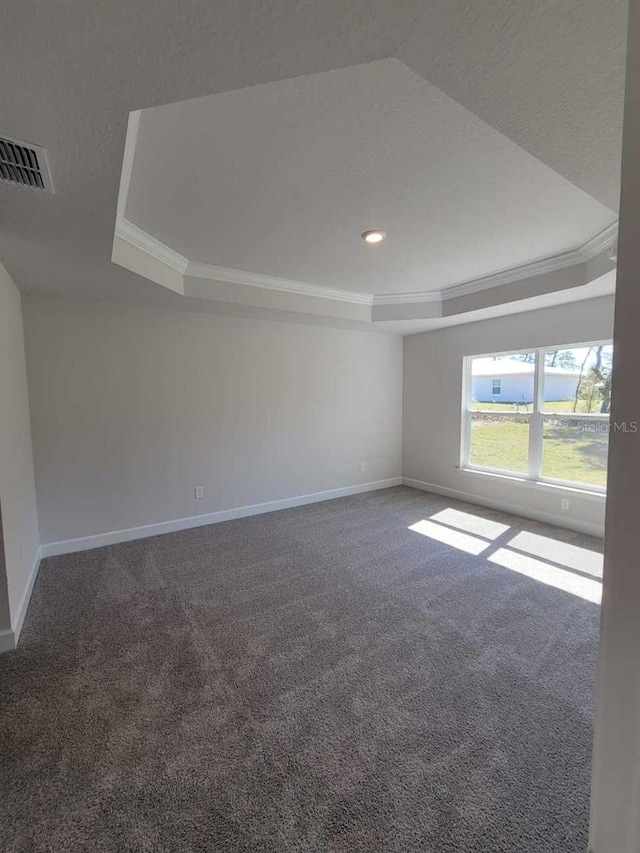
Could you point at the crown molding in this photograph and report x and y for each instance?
(130, 143)
(283, 285)
(145, 242)
(606, 239)
(142, 240)
(409, 298)
(130, 233)
(591, 249)
(535, 268)
(572, 258)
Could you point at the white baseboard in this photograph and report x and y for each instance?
(505, 506)
(9, 638)
(7, 641)
(113, 537)
(26, 598)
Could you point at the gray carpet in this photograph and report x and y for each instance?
(318, 679)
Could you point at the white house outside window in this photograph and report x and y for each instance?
(551, 421)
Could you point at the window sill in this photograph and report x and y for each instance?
(543, 485)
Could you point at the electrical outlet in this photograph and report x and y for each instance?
(363, 467)
(564, 503)
(198, 492)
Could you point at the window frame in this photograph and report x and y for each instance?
(536, 419)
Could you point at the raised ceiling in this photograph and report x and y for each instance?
(548, 76)
(281, 180)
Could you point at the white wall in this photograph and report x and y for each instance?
(519, 389)
(513, 389)
(17, 491)
(559, 387)
(134, 406)
(433, 400)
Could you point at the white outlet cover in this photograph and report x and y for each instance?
(198, 492)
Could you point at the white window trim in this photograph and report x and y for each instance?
(536, 421)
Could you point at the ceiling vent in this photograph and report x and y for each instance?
(24, 164)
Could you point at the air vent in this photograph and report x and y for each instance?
(24, 164)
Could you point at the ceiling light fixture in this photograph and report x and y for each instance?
(374, 236)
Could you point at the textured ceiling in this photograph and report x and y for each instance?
(281, 179)
(549, 75)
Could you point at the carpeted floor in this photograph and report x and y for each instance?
(317, 679)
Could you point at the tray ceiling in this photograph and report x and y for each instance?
(549, 76)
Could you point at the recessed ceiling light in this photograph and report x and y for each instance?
(374, 236)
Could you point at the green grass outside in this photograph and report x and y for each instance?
(568, 453)
(552, 406)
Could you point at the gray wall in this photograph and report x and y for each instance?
(615, 787)
(433, 402)
(17, 491)
(134, 406)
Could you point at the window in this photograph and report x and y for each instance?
(551, 423)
